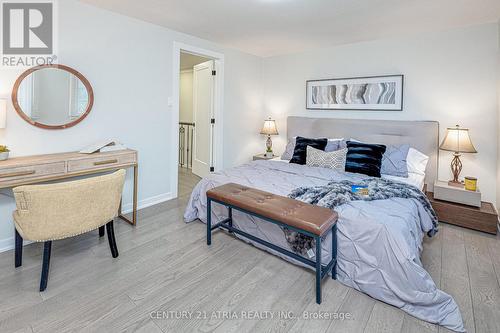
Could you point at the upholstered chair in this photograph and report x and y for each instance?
(46, 213)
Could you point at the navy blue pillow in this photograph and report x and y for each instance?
(300, 151)
(364, 158)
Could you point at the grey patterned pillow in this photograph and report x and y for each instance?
(394, 161)
(332, 160)
(332, 145)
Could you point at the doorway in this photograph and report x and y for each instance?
(197, 106)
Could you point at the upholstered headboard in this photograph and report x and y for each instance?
(422, 135)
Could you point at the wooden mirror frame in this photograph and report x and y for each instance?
(82, 78)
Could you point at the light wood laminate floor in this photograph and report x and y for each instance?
(165, 265)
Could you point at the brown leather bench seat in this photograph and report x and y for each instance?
(314, 219)
(309, 220)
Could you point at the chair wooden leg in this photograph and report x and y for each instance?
(47, 247)
(19, 250)
(111, 239)
(101, 231)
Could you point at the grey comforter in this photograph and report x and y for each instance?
(379, 242)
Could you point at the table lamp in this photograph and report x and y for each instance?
(269, 129)
(458, 141)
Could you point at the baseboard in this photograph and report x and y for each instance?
(151, 201)
(8, 243)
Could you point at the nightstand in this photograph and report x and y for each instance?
(484, 218)
(262, 157)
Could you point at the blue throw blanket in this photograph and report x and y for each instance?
(335, 194)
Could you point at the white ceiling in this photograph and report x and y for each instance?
(188, 61)
(274, 27)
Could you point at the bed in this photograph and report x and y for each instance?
(379, 242)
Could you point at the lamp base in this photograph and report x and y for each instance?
(269, 148)
(455, 183)
(456, 168)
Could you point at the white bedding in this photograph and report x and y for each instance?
(379, 242)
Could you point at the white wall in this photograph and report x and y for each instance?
(498, 129)
(129, 64)
(450, 77)
(186, 96)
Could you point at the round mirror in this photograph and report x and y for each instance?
(52, 96)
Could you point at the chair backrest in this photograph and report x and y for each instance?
(61, 210)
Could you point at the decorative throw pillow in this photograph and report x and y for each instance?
(332, 160)
(332, 145)
(394, 161)
(364, 158)
(300, 151)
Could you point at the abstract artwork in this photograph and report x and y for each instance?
(363, 93)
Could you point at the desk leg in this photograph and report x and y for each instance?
(134, 208)
(134, 204)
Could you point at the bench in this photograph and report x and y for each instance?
(313, 221)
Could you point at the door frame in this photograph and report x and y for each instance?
(218, 58)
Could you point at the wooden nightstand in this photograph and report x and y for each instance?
(262, 157)
(484, 218)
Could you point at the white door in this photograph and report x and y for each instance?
(203, 101)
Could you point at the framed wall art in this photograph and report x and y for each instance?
(374, 93)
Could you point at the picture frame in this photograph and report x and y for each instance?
(370, 93)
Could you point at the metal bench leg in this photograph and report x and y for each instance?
(318, 270)
(230, 216)
(334, 251)
(209, 221)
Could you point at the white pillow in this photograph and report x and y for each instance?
(332, 160)
(417, 161)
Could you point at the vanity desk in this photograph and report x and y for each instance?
(29, 170)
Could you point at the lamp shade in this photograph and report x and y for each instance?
(3, 113)
(458, 140)
(269, 127)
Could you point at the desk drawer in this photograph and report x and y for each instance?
(101, 162)
(33, 171)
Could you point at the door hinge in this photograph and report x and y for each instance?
(212, 121)
(212, 169)
(214, 72)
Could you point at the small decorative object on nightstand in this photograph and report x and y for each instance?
(263, 157)
(458, 141)
(483, 218)
(269, 129)
(4, 153)
(470, 183)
